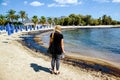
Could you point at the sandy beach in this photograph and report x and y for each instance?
(17, 62)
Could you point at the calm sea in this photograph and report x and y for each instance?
(103, 43)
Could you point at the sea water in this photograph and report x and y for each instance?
(103, 43)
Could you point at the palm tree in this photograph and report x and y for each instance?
(62, 21)
(56, 20)
(43, 20)
(17, 17)
(11, 15)
(2, 19)
(50, 20)
(35, 20)
(22, 15)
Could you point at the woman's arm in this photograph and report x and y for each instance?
(62, 45)
(50, 41)
(51, 38)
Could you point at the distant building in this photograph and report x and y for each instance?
(62, 16)
(27, 22)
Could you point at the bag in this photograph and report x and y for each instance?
(62, 56)
(51, 47)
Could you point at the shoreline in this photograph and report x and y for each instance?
(90, 62)
(99, 26)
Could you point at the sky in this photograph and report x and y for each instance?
(58, 8)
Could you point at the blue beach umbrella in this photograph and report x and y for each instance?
(26, 28)
(16, 29)
(30, 27)
(8, 29)
(3, 28)
(0, 28)
(20, 27)
(37, 27)
(23, 27)
(12, 28)
(34, 28)
(40, 27)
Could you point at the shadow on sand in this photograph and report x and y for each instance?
(38, 68)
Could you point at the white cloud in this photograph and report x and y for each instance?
(57, 5)
(4, 4)
(25, 2)
(117, 1)
(67, 1)
(102, 1)
(64, 3)
(36, 3)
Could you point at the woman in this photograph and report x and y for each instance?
(57, 39)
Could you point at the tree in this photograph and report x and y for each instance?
(50, 20)
(43, 20)
(2, 19)
(114, 22)
(35, 20)
(72, 16)
(61, 21)
(67, 20)
(72, 19)
(94, 22)
(109, 20)
(87, 19)
(77, 20)
(80, 19)
(106, 20)
(17, 17)
(56, 20)
(11, 15)
(100, 21)
(22, 15)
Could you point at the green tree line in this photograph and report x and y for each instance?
(72, 19)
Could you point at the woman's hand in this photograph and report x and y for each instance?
(64, 51)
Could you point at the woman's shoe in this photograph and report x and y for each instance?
(52, 72)
(57, 73)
